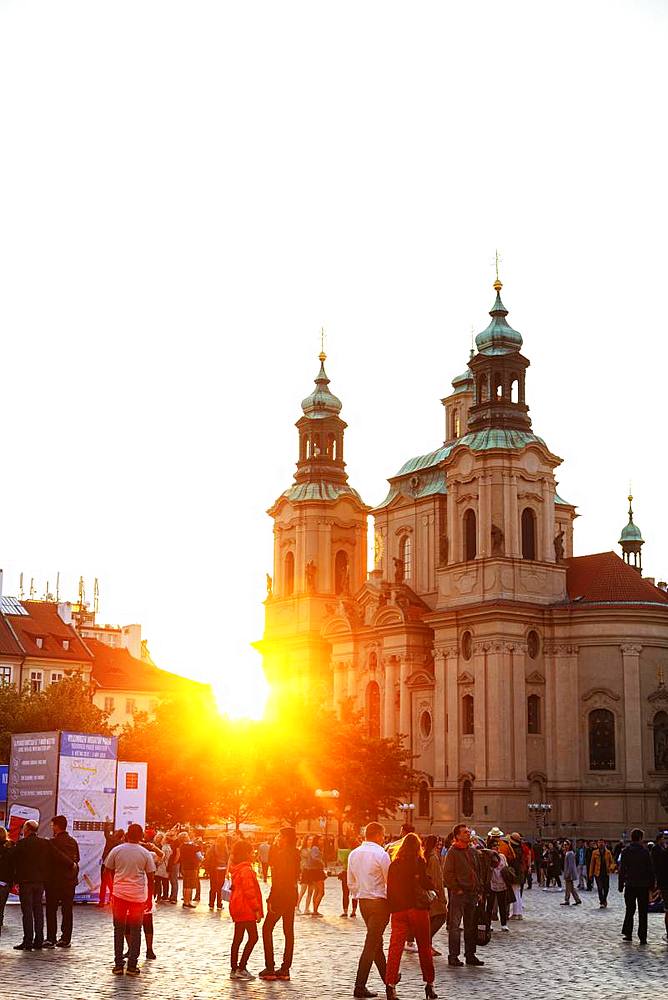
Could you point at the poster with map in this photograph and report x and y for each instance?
(86, 793)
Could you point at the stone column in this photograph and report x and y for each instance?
(389, 718)
(567, 717)
(439, 717)
(452, 529)
(350, 674)
(337, 678)
(452, 701)
(485, 515)
(498, 724)
(300, 559)
(547, 521)
(404, 700)
(550, 714)
(519, 715)
(632, 715)
(480, 650)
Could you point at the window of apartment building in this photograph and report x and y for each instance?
(130, 705)
(35, 681)
(153, 705)
(108, 704)
(5, 676)
(56, 675)
(39, 642)
(66, 644)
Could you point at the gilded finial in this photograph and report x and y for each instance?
(472, 342)
(322, 356)
(498, 285)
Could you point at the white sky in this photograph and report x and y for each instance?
(189, 190)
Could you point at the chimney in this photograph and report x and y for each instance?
(662, 585)
(650, 579)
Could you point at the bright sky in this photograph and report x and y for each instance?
(189, 190)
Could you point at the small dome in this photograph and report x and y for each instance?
(321, 402)
(498, 337)
(463, 382)
(631, 533)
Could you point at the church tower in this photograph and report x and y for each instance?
(320, 542)
(631, 541)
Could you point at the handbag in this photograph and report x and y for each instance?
(226, 891)
(483, 929)
(423, 897)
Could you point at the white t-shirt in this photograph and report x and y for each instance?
(130, 863)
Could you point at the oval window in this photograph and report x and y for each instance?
(467, 645)
(425, 724)
(533, 644)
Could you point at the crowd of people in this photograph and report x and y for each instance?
(415, 884)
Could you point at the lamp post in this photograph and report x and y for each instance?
(408, 809)
(540, 810)
(320, 793)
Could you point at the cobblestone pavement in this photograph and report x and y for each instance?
(555, 953)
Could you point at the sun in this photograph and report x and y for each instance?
(240, 688)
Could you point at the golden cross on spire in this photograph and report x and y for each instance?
(322, 356)
(497, 260)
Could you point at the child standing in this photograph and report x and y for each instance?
(245, 907)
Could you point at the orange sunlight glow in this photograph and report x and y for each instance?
(241, 689)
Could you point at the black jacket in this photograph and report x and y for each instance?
(63, 857)
(285, 863)
(6, 862)
(404, 878)
(660, 864)
(32, 858)
(635, 867)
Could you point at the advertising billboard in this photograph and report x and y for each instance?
(131, 794)
(32, 783)
(86, 793)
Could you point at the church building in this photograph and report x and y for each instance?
(518, 673)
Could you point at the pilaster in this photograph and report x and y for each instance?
(440, 735)
(632, 715)
(479, 710)
(389, 719)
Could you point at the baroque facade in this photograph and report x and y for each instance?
(518, 672)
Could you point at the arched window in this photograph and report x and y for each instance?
(533, 714)
(373, 710)
(455, 424)
(660, 726)
(405, 554)
(528, 534)
(424, 804)
(470, 535)
(289, 574)
(601, 740)
(341, 572)
(467, 798)
(514, 389)
(468, 722)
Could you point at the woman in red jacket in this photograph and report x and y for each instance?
(245, 907)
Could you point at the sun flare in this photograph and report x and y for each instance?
(241, 690)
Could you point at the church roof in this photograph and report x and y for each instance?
(321, 403)
(604, 578)
(320, 489)
(499, 337)
(117, 669)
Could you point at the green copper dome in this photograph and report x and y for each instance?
(498, 337)
(631, 532)
(463, 382)
(321, 402)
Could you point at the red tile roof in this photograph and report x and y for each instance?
(117, 670)
(8, 644)
(605, 578)
(43, 622)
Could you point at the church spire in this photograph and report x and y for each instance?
(321, 433)
(499, 371)
(631, 540)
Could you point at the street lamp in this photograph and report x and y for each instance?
(407, 808)
(320, 793)
(540, 810)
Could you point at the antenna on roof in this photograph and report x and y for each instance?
(21, 594)
(58, 587)
(82, 593)
(32, 587)
(96, 596)
(47, 595)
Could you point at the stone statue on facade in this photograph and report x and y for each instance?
(270, 585)
(310, 572)
(497, 540)
(559, 546)
(398, 570)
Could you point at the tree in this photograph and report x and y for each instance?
(66, 705)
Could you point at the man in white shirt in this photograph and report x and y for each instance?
(132, 895)
(367, 882)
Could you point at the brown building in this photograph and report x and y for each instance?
(519, 673)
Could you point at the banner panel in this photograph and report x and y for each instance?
(86, 789)
(33, 779)
(131, 794)
(4, 775)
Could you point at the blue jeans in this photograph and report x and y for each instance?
(30, 895)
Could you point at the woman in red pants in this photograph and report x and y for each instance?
(409, 895)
